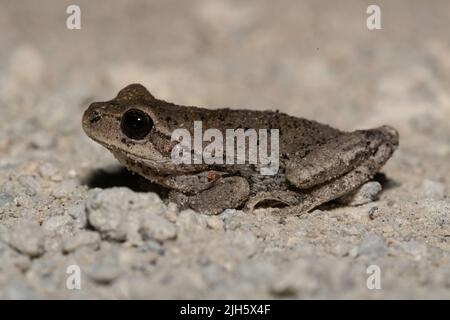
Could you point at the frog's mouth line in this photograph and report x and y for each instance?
(134, 157)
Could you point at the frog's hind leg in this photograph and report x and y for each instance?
(339, 156)
(344, 184)
(226, 193)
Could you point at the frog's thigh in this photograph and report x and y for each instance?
(344, 184)
(230, 192)
(331, 160)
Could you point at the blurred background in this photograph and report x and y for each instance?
(315, 59)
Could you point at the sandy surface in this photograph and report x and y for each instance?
(64, 200)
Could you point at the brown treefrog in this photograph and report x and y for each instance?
(317, 163)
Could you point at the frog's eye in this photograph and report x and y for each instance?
(136, 124)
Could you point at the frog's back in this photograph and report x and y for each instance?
(297, 135)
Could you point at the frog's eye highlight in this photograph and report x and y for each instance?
(136, 124)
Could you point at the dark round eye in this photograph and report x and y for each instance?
(136, 124)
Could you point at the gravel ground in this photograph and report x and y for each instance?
(65, 201)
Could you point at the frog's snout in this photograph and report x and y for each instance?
(91, 116)
(390, 134)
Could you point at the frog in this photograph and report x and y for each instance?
(317, 163)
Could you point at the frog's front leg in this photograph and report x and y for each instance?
(225, 193)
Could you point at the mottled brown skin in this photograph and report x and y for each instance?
(317, 163)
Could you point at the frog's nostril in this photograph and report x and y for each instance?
(391, 133)
(95, 117)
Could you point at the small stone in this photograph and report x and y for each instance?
(158, 228)
(373, 213)
(30, 214)
(57, 224)
(65, 189)
(416, 249)
(17, 289)
(49, 171)
(5, 199)
(365, 194)
(214, 223)
(153, 246)
(78, 214)
(190, 220)
(105, 218)
(117, 212)
(438, 211)
(105, 268)
(11, 259)
(42, 140)
(372, 245)
(30, 184)
(80, 239)
(27, 237)
(433, 189)
(172, 212)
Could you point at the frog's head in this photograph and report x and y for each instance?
(134, 126)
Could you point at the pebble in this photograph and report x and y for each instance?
(80, 239)
(158, 228)
(433, 189)
(374, 212)
(372, 245)
(78, 214)
(49, 171)
(30, 184)
(5, 199)
(17, 289)
(416, 249)
(214, 222)
(105, 268)
(118, 212)
(42, 140)
(65, 189)
(10, 259)
(27, 237)
(189, 220)
(57, 224)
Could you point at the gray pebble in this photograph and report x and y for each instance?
(42, 140)
(18, 289)
(105, 217)
(215, 223)
(105, 268)
(57, 224)
(118, 212)
(153, 246)
(65, 189)
(10, 259)
(80, 239)
(157, 228)
(372, 245)
(374, 212)
(27, 237)
(433, 189)
(189, 220)
(5, 199)
(30, 184)
(49, 171)
(78, 214)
